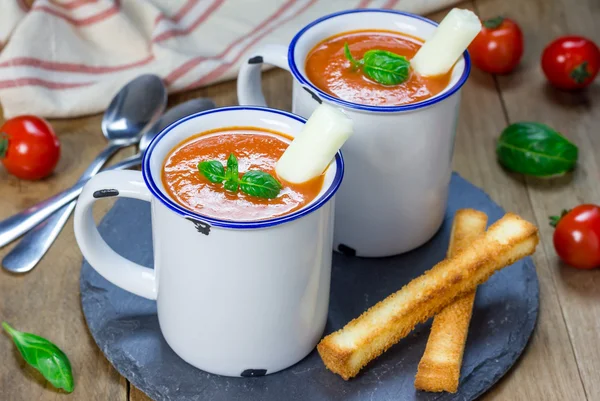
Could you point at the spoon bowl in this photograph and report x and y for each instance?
(133, 108)
(176, 113)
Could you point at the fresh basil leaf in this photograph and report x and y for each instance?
(232, 185)
(44, 356)
(213, 170)
(261, 184)
(232, 168)
(535, 149)
(381, 66)
(385, 67)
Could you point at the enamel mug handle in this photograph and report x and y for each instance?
(249, 89)
(121, 272)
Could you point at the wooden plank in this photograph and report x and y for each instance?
(527, 96)
(47, 301)
(547, 370)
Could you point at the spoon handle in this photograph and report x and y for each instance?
(18, 224)
(32, 248)
(34, 245)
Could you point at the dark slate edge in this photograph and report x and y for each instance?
(480, 374)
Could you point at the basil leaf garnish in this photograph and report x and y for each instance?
(44, 356)
(535, 149)
(232, 168)
(382, 66)
(259, 183)
(255, 183)
(232, 174)
(213, 170)
(232, 185)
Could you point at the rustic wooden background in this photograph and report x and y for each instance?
(562, 361)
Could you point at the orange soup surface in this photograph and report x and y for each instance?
(255, 149)
(328, 69)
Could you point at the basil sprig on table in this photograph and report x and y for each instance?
(381, 66)
(44, 356)
(535, 149)
(255, 182)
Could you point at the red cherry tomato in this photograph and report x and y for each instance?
(498, 48)
(577, 236)
(571, 62)
(29, 149)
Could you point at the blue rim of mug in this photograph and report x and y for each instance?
(175, 207)
(380, 109)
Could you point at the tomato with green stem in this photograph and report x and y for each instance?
(571, 62)
(498, 48)
(29, 149)
(577, 236)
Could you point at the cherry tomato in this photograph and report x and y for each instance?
(571, 62)
(498, 48)
(29, 149)
(577, 236)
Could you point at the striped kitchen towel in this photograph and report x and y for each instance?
(67, 58)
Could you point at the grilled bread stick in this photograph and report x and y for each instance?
(439, 369)
(346, 351)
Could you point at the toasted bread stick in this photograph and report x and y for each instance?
(439, 369)
(346, 351)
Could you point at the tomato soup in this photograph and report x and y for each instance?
(255, 149)
(328, 69)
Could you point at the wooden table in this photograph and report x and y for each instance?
(562, 361)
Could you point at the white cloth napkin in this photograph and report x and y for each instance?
(67, 58)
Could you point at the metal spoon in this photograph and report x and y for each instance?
(24, 260)
(134, 107)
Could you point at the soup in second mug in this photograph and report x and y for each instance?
(328, 67)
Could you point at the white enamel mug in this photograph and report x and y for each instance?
(398, 162)
(234, 298)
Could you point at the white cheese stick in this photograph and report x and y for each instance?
(314, 148)
(451, 38)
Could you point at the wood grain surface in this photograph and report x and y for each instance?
(562, 361)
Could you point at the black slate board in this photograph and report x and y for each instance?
(126, 328)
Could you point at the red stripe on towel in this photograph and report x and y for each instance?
(101, 16)
(72, 4)
(188, 65)
(179, 32)
(13, 83)
(72, 67)
(220, 70)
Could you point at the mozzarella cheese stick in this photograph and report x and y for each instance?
(449, 41)
(348, 350)
(314, 148)
(439, 368)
